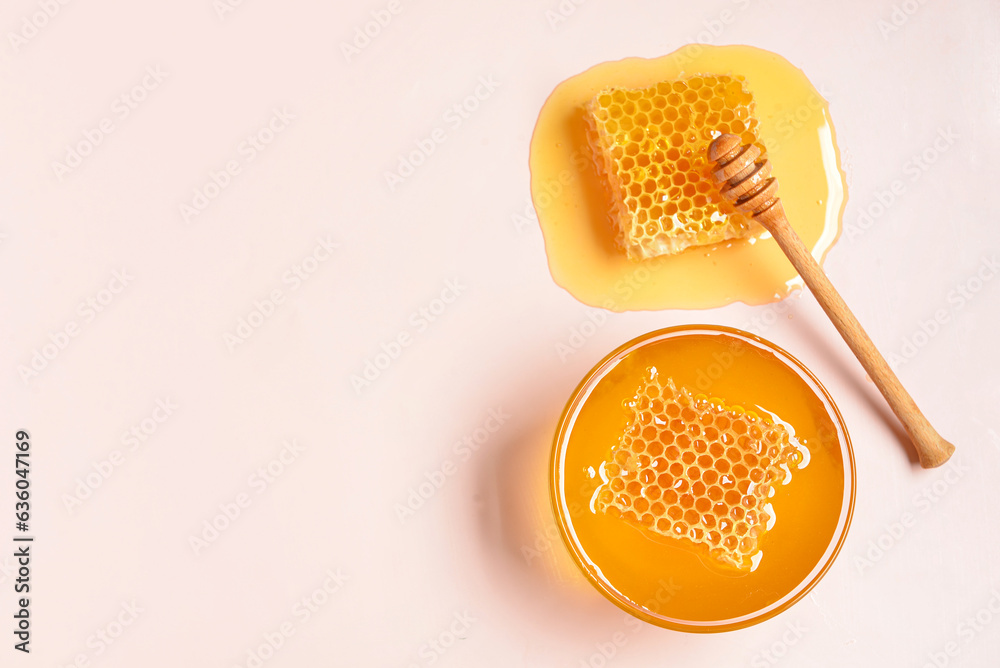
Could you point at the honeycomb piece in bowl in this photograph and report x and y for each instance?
(650, 146)
(695, 469)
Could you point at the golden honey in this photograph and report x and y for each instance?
(611, 252)
(741, 379)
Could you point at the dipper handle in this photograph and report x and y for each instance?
(748, 183)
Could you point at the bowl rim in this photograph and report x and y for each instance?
(565, 426)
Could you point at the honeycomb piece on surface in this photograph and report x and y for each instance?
(651, 145)
(693, 468)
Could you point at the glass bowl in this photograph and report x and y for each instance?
(660, 579)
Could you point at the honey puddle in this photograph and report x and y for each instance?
(574, 209)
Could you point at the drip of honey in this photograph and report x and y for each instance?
(577, 216)
(673, 581)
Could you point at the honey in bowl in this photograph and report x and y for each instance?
(623, 191)
(666, 507)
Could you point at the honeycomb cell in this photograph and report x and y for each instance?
(715, 494)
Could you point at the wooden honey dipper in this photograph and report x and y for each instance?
(748, 183)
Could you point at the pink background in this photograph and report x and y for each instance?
(471, 577)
